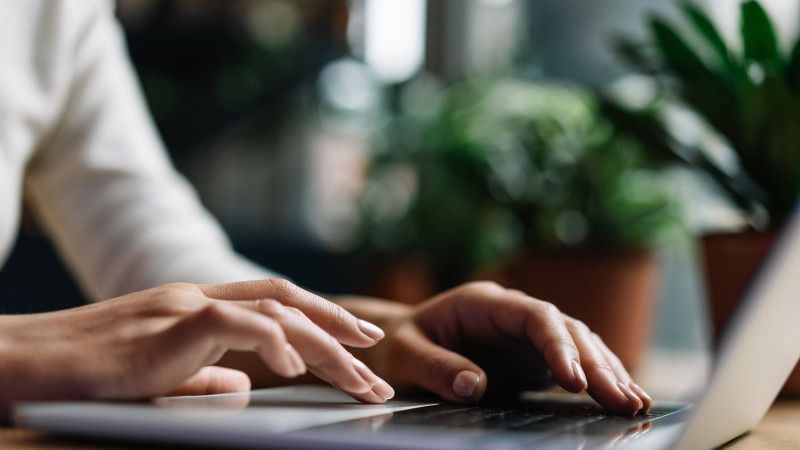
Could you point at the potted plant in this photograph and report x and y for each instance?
(525, 183)
(751, 99)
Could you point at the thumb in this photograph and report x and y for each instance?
(213, 380)
(437, 369)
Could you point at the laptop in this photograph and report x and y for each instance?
(757, 352)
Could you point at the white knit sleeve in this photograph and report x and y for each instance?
(105, 191)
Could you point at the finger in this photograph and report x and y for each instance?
(329, 316)
(418, 362)
(323, 354)
(547, 331)
(213, 380)
(195, 341)
(523, 317)
(623, 375)
(604, 385)
(381, 390)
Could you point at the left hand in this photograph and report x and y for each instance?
(166, 339)
(456, 342)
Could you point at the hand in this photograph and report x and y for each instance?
(459, 342)
(164, 340)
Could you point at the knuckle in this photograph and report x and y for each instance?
(486, 285)
(332, 357)
(269, 307)
(484, 288)
(568, 343)
(336, 315)
(557, 343)
(171, 301)
(579, 327)
(281, 287)
(597, 339)
(549, 310)
(213, 316)
(604, 368)
(519, 293)
(615, 361)
(178, 287)
(272, 331)
(433, 367)
(294, 311)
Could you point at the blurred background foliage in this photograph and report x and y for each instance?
(473, 173)
(208, 66)
(747, 93)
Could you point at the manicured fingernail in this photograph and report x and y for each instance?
(369, 378)
(628, 393)
(646, 399)
(383, 390)
(296, 365)
(371, 330)
(380, 387)
(465, 383)
(579, 375)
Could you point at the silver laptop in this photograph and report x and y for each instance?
(759, 348)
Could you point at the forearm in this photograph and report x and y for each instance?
(33, 369)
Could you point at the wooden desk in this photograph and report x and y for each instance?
(780, 429)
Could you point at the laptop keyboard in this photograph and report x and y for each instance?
(525, 417)
(520, 424)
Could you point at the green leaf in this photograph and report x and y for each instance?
(712, 95)
(793, 69)
(635, 55)
(663, 147)
(758, 35)
(709, 31)
(677, 53)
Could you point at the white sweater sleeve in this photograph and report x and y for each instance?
(105, 191)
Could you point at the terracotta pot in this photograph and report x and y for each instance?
(613, 293)
(730, 260)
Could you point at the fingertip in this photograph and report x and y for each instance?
(570, 376)
(635, 404)
(615, 396)
(578, 377)
(465, 384)
(296, 366)
(356, 333)
(365, 380)
(371, 330)
(371, 397)
(647, 401)
(213, 380)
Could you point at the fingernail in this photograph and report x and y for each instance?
(296, 365)
(579, 375)
(369, 378)
(628, 393)
(465, 383)
(383, 390)
(371, 330)
(646, 399)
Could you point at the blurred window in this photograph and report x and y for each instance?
(394, 38)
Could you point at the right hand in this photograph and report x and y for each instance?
(164, 340)
(456, 342)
